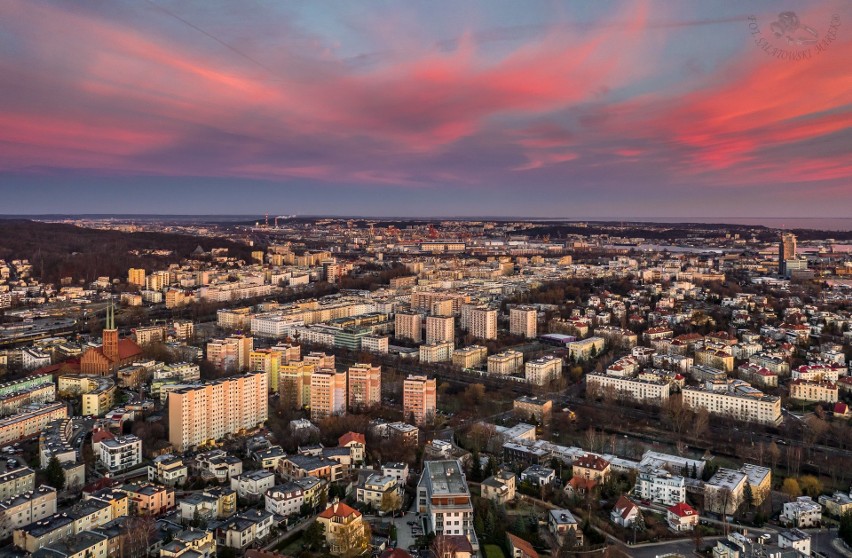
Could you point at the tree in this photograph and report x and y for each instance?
(748, 496)
(845, 529)
(791, 488)
(391, 501)
(810, 485)
(475, 467)
(353, 539)
(774, 454)
(314, 536)
(54, 473)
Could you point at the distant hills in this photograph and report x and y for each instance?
(58, 250)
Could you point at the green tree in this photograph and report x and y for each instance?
(54, 473)
(748, 496)
(845, 529)
(314, 536)
(475, 468)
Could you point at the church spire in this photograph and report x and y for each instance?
(110, 317)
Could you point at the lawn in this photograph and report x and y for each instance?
(493, 551)
(290, 547)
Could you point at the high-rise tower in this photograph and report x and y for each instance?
(786, 250)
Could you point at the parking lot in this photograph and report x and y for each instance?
(406, 534)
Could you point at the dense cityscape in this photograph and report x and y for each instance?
(425, 279)
(285, 386)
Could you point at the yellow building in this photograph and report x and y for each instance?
(96, 392)
(136, 277)
(269, 361)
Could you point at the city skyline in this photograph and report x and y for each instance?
(584, 111)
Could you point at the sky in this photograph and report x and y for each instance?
(441, 108)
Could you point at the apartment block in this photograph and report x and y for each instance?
(437, 352)
(440, 329)
(804, 390)
(419, 398)
(483, 323)
(443, 500)
(523, 320)
(365, 386)
(328, 393)
(544, 370)
(121, 453)
(408, 326)
(638, 389)
(735, 399)
(200, 414)
(472, 356)
(507, 362)
(232, 353)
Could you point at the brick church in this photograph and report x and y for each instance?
(113, 354)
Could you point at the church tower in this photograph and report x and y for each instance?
(110, 335)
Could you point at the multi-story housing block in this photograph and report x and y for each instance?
(207, 412)
(443, 500)
(419, 398)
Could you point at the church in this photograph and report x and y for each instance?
(113, 354)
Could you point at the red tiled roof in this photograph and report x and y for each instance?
(395, 553)
(351, 437)
(100, 435)
(526, 548)
(841, 408)
(592, 462)
(579, 483)
(625, 506)
(683, 509)
(339, 510)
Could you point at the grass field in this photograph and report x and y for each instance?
(493, 551)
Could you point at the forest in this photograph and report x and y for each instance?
(57, 250)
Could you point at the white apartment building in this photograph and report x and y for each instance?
(408, 326)
(199, 414)
(374, 489)
(804, 390)
(507, 362)
(523, 320)
(375, 344)
(483, 323)
(285, 499)
(654, 391)
(438, 352)
(743, 403)
(328, 393)
(443, 500)
(660, 486)
(272, 325)
(585, 349)
(440, 329)
(120, 454)
(32, 359)
(253, 484)
(544, 370)
(802, 512)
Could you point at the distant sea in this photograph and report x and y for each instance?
(814, 223)
(819, 224)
